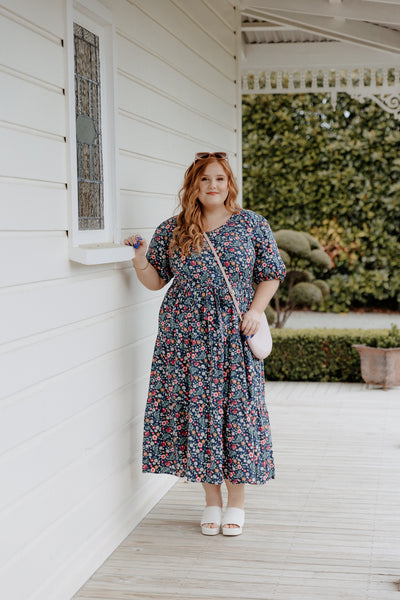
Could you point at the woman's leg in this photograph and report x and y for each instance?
(213, 498)
(235, 496)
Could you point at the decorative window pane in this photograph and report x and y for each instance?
(88, 129)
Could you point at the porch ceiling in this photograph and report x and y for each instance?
(300, 46)
(278, 28)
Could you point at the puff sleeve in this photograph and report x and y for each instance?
(158, 253)
(268, 262)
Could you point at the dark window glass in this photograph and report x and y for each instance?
(88, 129)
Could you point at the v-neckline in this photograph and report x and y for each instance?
(223, 224)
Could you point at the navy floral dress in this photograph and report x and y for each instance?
(206, 417)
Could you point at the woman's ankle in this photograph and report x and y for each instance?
(213, 494)
(236, 495)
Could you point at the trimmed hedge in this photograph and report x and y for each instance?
(319, 354)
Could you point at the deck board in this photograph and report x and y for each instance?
(328, 526)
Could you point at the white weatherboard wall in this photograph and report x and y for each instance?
(76, 341)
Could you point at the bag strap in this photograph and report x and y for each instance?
(230, 288)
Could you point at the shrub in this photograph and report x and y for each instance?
(323, 286)
(285, 256)
(335, 174)
(306, 258)
(314, 243)
(391, 340)
(294, 242)
(305, 294)
(322, 354)
(320, 259)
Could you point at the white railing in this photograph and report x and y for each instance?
(381, 84)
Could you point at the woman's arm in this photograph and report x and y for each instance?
(264, 292)
(145, 272)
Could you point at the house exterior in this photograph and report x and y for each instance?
(102, 107)
(76, 338)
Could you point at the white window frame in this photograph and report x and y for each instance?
(95, 246)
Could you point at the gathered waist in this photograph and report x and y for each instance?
(208, 291)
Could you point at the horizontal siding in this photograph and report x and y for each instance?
(60, 350)
(141, 173)
(24, 51)
(197, 40)
(137, 210)
(95, 460)
(92, 549)
(148, 34)
(218, 29)
(88, 296)
(76, 347)
(166, 145)
(27, 154)
(149, 139)
(103, 517)
(45, 465)
(34, 412)
(28, 205)
(224, 10)
(38, 256)
(41, 14)
(32, 106)
(154, 106)
(145, 67)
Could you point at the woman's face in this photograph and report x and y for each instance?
(213, 189)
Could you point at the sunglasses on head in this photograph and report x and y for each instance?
(203, 155)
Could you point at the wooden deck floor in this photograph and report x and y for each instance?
(328, 526)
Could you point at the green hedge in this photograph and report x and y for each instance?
(319, 354)
(336, 175)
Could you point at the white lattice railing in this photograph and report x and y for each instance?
(381, 84)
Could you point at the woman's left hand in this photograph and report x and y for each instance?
(250, 322)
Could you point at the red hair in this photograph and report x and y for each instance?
(188, 233)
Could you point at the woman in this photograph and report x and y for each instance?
(206, 418)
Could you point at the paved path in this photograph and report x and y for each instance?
(300, 319)
(327, 528)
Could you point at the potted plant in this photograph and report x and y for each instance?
(380, 362)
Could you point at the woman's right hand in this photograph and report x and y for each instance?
(139, 243)
(145, 271)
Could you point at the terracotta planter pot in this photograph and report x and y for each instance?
(379, 366)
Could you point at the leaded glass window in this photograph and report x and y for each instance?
(88, 129)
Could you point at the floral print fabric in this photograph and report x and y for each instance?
(206, 417)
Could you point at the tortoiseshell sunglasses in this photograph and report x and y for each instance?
(203, 155)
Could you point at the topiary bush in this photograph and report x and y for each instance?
(305, 258)
(323, 286)
(305, 294)
(294, 242)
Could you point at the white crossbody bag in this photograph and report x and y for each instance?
(261, 342)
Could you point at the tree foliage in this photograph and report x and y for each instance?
(335, 174)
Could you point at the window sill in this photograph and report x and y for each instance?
(99, 254)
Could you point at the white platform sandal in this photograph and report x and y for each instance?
(233, 516)
(211, 514)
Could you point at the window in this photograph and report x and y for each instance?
(89, 151)
(94, 230)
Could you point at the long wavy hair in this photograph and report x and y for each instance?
(188, 233)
